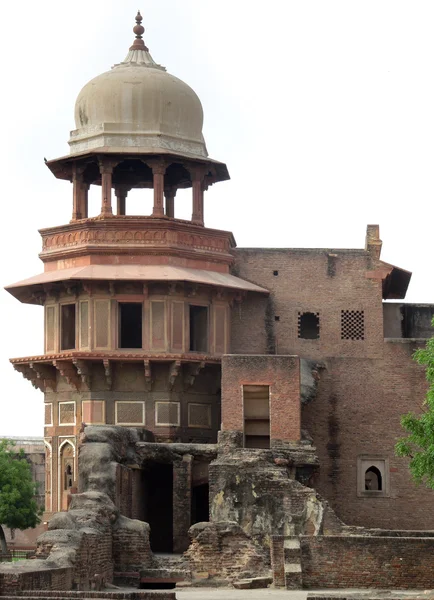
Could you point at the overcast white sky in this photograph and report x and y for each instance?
(323, 111)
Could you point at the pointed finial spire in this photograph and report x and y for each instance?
(139, 30)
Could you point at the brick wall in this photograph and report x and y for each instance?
(365, 386)
(357, 413)
(222, 552)
(37, 579)
(362, 562)
(318, 281)
(131, 548)
(281, 374)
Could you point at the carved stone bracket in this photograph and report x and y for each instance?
(45, 374)
(174, 370)
(69, 372)
(108, 373)
(193, 371)
(30, 375)
(148, 376)
(83, 371)
(39, 297)
(71, 288)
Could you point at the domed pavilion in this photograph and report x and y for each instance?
(137, 308)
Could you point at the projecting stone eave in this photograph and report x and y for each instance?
(34, 289)
(62, 167)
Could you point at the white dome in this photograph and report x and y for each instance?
(138, 105)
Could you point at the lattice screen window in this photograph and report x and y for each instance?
(93, 411)
(66, 413)
(167, 413)
(352, 325)
(48, 420)
(199, 415)
(130, 413)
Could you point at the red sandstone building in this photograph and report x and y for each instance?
(164, 325)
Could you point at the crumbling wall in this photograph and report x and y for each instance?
(257, 489)
(84, 545)
(223, 552)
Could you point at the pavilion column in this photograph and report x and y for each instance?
(158, 171)
(170, 194)
(77, 191)
(106, 169)
(85, 201)
(121, 196)
(198, 189)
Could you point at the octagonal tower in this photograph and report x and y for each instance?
(137, 308)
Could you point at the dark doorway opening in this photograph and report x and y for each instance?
(373, 480)
(130, 325)
(198, 328)
(158, 501)
(67, 327)
(308, 326)
(200, 503)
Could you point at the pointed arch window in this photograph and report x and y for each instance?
(373, 474)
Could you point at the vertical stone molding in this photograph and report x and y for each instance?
(158, 171)
(198, 190)
(84, 201)
(106, 169)
(78, 190)
(182, 471)
(121, 193)
(170, 194)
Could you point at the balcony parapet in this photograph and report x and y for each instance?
(138, 236)
(76, 367)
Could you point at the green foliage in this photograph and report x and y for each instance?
(18, 508)
(419, 443)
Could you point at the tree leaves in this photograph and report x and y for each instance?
(419, 443)
(18, 508)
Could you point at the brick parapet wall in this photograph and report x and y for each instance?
(367, 562)
(41, 579)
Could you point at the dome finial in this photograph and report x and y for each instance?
(139, 30)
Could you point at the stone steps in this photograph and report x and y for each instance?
(292, 557)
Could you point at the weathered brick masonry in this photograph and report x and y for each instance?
(362, 562)
(365, 384)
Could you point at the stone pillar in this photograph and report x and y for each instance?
(198, 189)
(121, 193)
(77, 191)
(158, 170)
(106, 169)
(84, 209)
(181, 503)
(170, 194)
(277, 554)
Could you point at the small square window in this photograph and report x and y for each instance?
(308, 326)
(275, 273)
